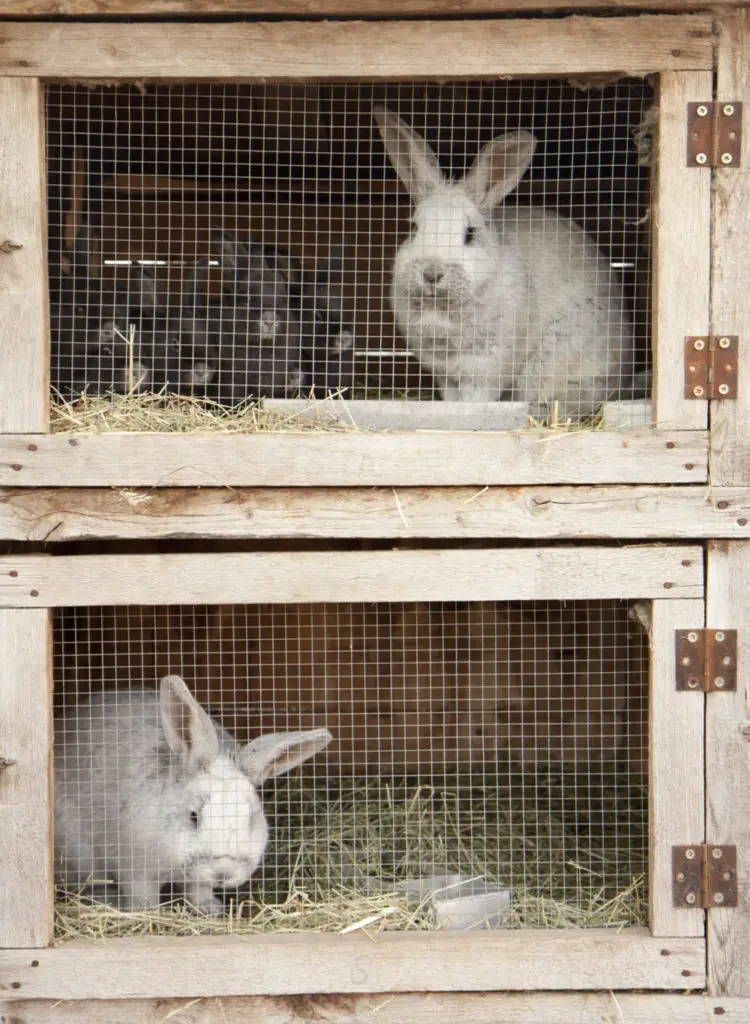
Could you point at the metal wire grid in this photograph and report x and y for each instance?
(234, 242)
(504, 742)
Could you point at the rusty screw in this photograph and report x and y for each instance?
(728, 109)
(700, 158)
(702, 110)
(685, 660)
(693, 684)
(680, 876)
(719, 636)
(723, 389)
(726, 660)
(699, 344)
(690, 854)
(726, 158)
(718, 897)
(692, 637)
(690, 898)
(717, 853)
(724, 343)
(698, 391)
(719, 682)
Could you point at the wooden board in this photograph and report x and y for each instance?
(730, 289)
(728, 768)
(24, 359)
(676, 782)
(356, 50)
(391, 962)
(413, 1008)
(57, 515)
(353, 459)
(681, 213)
(26, 893)
(480, 574)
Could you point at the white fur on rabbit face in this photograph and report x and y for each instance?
(453, 256)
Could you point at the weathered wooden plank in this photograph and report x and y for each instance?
(676, 788)
(317, 8)
(388, 1008)
(217, 966)
(55, 515)
(26, 887)
(640, 456)
(356, 50)
(24, 358)
(728, 768)
(730, 290)
(681, 216)
(476, 574)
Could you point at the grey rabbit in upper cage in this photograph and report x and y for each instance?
(150, 790)
(503, 303)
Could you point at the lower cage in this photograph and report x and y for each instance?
(487, 769)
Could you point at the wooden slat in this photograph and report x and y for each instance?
(55, 515)
(730, 291)
(728, 768)
(681, 216)
(478, 574)
(26, 892)
(676, 781)
(319, 8)
(24, 359)
(297, 964)
(354, 459)
(416, 1008)
(337, 51)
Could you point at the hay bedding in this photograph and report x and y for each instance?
(572, 855)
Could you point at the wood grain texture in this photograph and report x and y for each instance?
(676, 788)
(56, 515)
(318, 8)
(285, 51)
(26, 889)
(354, 459)
(298, 964)
(24, 346)
(728, 768)
(681, 211)
(390, 1008)
(477, 574)
(730, 291)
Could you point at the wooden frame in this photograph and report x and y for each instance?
(671, 576)
(674, 450)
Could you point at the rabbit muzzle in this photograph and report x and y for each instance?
(223, 872)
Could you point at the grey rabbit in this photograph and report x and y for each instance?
(149, 791)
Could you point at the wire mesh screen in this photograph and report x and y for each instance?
(470, 241)
(487, 767)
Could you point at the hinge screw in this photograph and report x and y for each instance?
(717, 853)
(685, 660)
(723, 389)
(700, 158)
(724, 343)
(719, 636)
(728, 109)
(698, 391)
(719, 682)
(690, 898)
(693, 684)
(726, 158)
(680, 876)
(718, 897)
(690, 854)
(702, 110)
(693, 638)
(699, 344)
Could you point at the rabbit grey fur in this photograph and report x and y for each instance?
(503, 303)
(150, 790)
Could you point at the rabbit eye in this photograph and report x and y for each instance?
(470, 235)
(194, 818)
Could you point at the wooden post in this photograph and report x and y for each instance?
(730, 283)
(26, 883)
(24, 317)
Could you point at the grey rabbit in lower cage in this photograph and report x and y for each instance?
(150, 790)
(503, 302)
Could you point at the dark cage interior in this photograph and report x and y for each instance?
(487, 767)
(238, 242)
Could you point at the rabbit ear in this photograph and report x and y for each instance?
(499, 168)
(190, 732)
(412, 159)
(269, 756)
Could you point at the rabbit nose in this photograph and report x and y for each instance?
(432, 273)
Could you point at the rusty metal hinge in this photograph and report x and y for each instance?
(706, 659)
(711, 366)
(714, 134)
(704, 876)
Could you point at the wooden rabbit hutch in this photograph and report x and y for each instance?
(455, 473)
